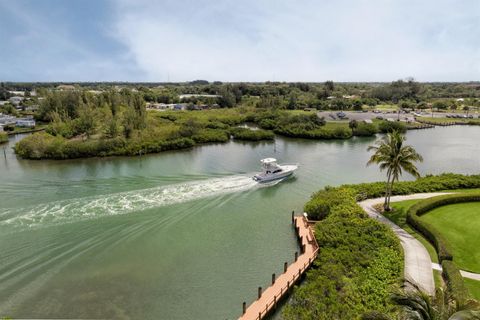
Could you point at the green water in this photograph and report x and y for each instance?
(178, 235)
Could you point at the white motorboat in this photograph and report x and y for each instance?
(273, 171)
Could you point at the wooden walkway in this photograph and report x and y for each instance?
(268, 299)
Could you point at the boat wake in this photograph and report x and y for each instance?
(63, 211)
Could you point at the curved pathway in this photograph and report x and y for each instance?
(418, 265)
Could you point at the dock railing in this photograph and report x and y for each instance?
(291, 275)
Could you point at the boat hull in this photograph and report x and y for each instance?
(287, 170)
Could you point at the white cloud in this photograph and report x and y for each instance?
(302, 40)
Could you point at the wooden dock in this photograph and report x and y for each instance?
(267, 300)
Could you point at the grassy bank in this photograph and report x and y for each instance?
(127, 134)
(3, 137)
(446, 121)
(460, 225)
(449, 234)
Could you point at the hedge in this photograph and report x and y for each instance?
(317, 208)
(430, 232)
(360, 259)
(359, 264)
(3, 137)
(454, 280)
(251, 135)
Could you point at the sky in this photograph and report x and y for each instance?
(241, 40)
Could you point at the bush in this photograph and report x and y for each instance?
(3, 137)
(389, 126)
(360, 261)
(46, 146)
(211, 135)
(251, 135)
(430, 232)
(365, 130)
(455, 284)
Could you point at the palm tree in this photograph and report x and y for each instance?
(353, 124)
(391, 155)
(417, 305)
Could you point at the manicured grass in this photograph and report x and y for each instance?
(399, 217)
(473, 287)
(386, 107)
(449, 120)
(460, 225)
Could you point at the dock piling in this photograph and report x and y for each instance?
(259, 292)
(244, 307)
(285, 267)
(273, 278)
(296, 256)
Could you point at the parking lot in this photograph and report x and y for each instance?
(362, 116)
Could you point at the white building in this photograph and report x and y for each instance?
(16, 100)
(25, 123)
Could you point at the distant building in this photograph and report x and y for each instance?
(66, 87)
(16, 100)
(368, 121)
(186, 96)
(25, 123)
(17, 93)
(6, 119)
(179, 107)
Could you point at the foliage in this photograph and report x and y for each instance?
(352, 245)
(359, 264)
(390, 126)
(3, 137)
(429, 183)
(416, 304)
(365, 130)
(455, 283)
(393, 156)
(251, 135)
(430, 232)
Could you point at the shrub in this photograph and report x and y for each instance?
(389, 126)
(455, 284)
(360, 261)
(430, 232)
(211, 135)
(3, 137)
(365, 130)
(251, 135)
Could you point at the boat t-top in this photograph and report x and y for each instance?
(273, 171)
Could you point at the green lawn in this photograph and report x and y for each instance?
(449, 120)
(473, 287)
(460, 225)
(399, 216)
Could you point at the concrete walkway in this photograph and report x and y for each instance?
(418, 265)
(465, 274)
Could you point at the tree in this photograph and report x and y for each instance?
(418, 305)
(392, 155)
(353, 124)
(329, 85)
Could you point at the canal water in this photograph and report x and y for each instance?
(177, 235)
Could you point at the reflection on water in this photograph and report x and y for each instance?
(178, 235)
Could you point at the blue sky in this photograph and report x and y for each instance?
(249, 40)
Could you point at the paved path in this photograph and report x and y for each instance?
(268, 300)
(418, 265)
(465, 274)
